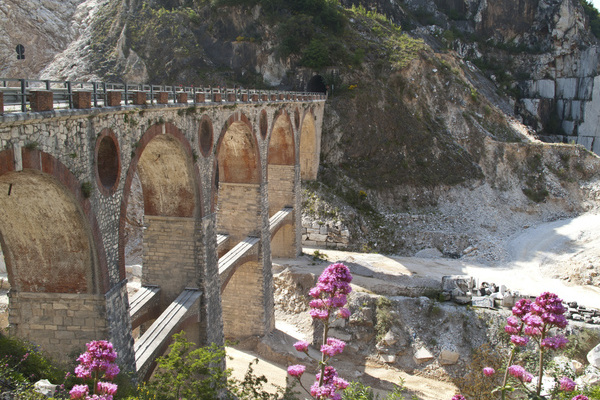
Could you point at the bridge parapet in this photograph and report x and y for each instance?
(25, 95)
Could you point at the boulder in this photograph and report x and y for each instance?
(388, 358)
(593, 356)
(448, 357)
(422, 355)
(464, 283)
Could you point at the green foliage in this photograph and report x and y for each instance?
(359, 391)
(384, 317)
(33, 367)
(318, 256)
(86, 189)
(189, 373)
(593, 16)
(580, 344)
(316, 55)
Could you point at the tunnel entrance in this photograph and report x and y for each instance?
(316, 84)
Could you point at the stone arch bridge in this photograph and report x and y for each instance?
(221, 190)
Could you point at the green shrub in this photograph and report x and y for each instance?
(186, 372)
(359, 391)
(384, 317)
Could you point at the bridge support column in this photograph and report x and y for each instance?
(60, 323)
(169, 255)
(244, 297)
(282, 193)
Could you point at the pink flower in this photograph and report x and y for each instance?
(487, 371)
(519, 340)
(296, 370)
(301, 345)
(580, 397)
(555, 342)
(107, 388)
(316, 313)
(567, 384)
(526, 377)
(516, 370)
(78, 391)
(334, 346)
(343, 313)
(458, 397)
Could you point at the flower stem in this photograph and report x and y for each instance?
(323, 360)
(541, 362)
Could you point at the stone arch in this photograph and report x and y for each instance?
(54, 254)
(309, 148)
(239, 215)
(282, 177)
(237, 152)
(164, 163)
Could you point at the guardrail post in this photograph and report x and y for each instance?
(70, 94)
(42, 100)
(95, 93)
(151, 94)
(162, 97)
(126, 94)
(1, 103)
(82, 100)
(23, 95)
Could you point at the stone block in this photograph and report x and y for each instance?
(318, 237)
(82, 100)
(264, 97)
(462, 282)
(113, 99)
(482, 301)
(200, 97)
(162, 97)
(42, 100)
(545, 88)
(273, 97)
(254, 97)
(244, 97)
(448, 357)
(182, 97)
(231, 97)
(566, 88)
(593, 356)
(388, 358)
(422, 355)
(217, 97)
(338, 334)
(138, 98)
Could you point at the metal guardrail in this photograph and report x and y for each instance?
(17, 92)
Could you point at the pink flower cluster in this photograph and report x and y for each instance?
(330, 292)
(458, 397)
(519, 372)
(534, 319)
(329, 298)
(567, 384)
(99, 357)
(97, 362)
(331, 383)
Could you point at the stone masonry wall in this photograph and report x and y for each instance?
(239, 210)
(169, 259)
(60, 323)
(330, 235)
(242, 302)
(281, 187)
